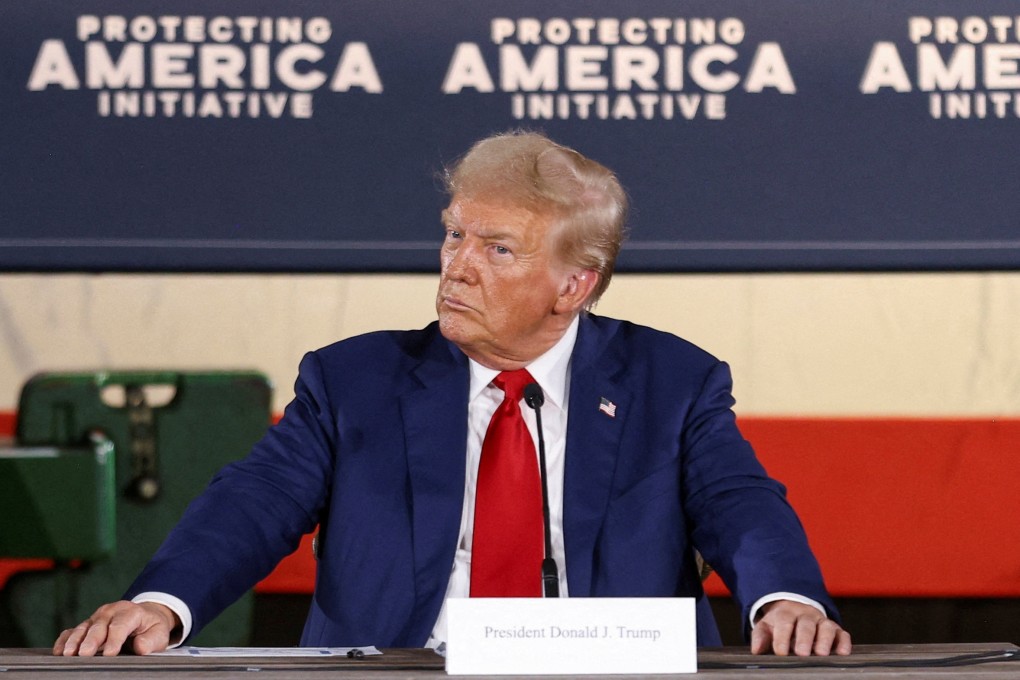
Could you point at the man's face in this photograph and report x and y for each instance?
(501, 284)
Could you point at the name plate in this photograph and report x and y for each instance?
(519, 636)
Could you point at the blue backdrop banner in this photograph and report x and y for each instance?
(309, 135)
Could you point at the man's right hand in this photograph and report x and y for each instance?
(148, 625)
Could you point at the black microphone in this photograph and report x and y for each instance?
(534, 398)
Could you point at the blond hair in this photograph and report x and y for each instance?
(583, 197)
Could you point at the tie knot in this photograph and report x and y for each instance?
(513, 382)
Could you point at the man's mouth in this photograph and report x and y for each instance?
(455, 303)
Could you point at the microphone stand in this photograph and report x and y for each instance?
(534, 398)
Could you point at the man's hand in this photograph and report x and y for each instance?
(791, 626)
(149, 624)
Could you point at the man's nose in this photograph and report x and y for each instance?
(461, 264)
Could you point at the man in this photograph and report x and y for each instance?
(386, 446)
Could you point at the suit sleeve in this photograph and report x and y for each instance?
(254, 512)
(741, 521)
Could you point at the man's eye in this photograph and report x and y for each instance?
(453, 233)
(502, 250)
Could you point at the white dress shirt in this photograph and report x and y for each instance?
(552, 373)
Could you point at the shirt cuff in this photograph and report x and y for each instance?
(174, 604)
(772, 597)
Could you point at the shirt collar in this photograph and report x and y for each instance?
(549, 370)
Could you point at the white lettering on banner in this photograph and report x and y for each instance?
(205, 67)
(950, 30)
(613, 31)
(200, 29)
(621, 106)
(170, 103)
(970, 66)
(53, 67)
(612, 68)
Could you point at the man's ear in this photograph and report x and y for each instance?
(576, 290)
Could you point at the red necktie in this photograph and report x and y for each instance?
(507, 544)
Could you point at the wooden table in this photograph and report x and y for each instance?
(873, 661)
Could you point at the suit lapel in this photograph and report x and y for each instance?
(435, 428)
(434, 412)
(593, 443)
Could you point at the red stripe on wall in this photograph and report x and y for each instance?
(295, 574)
(903, 507)
(7, 423)
(892, 507)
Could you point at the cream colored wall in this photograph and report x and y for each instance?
(820, 344)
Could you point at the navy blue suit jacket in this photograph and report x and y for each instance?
(373, 448)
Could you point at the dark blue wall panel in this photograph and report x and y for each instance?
(762, 136)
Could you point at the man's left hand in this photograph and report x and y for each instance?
(791, 627)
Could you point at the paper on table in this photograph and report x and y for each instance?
(266, 651)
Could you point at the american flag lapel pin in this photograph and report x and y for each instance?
(607, 407)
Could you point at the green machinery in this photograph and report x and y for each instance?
(102, 468)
